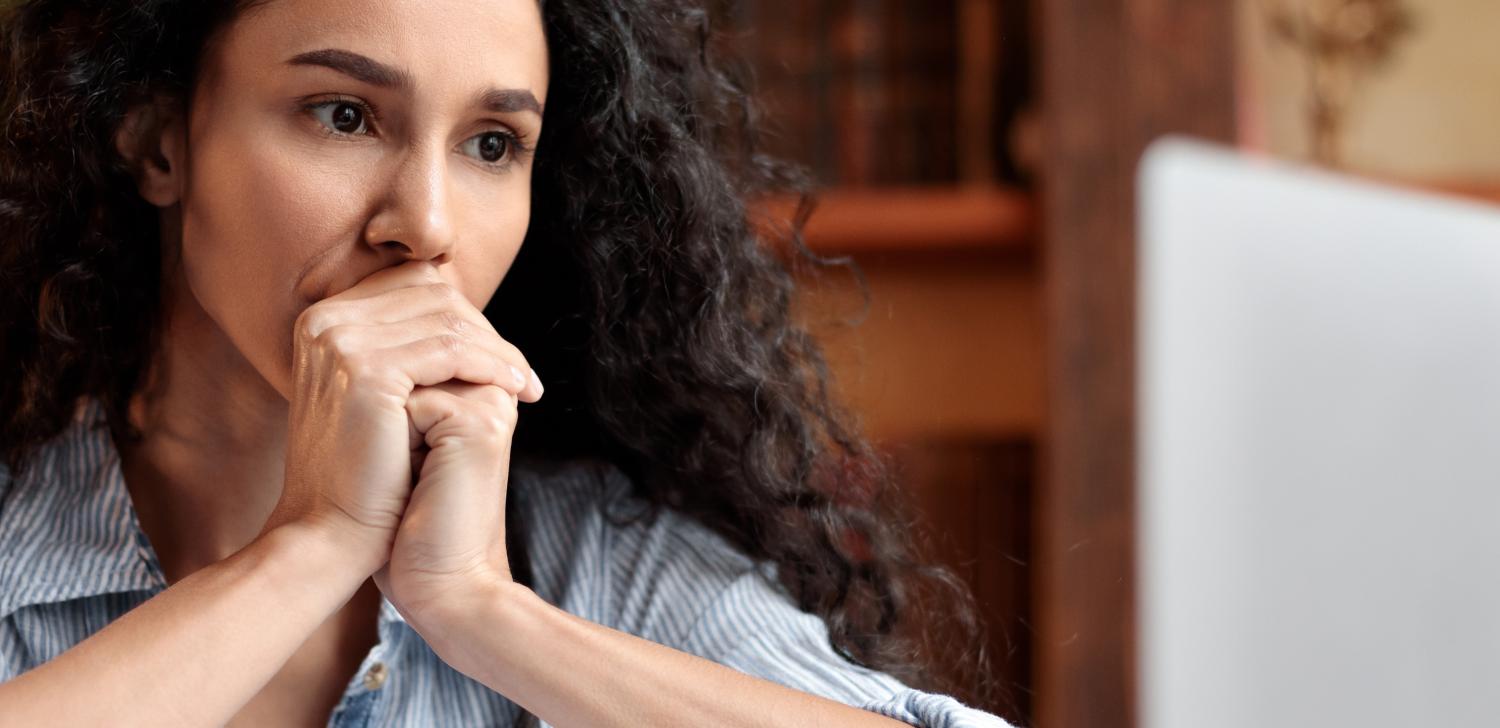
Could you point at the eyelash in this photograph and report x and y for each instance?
(515, 144)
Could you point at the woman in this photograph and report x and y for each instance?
(263, 452)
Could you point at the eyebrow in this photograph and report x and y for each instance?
(373, 72)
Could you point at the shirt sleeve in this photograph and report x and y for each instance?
(672, 580)
(754, 627)
(676, 582)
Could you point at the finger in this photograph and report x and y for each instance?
(356, 337)
(404, 303)
(440, 299)
(482, 411)
(398, 304)
(423, 405)
(457, 506)
(430, 361)
(410, 273)
(485, 394)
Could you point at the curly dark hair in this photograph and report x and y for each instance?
(657, 305)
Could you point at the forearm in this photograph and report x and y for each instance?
(197, 652)
(572, 672)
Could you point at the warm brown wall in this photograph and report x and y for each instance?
(945, 372)
(951, 345)
(1432, 113)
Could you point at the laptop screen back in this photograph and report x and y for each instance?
(1318, 393)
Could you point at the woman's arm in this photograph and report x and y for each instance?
(572, 672)
(199, 651)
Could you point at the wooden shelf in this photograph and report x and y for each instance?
(914, 219)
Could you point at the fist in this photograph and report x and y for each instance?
(353, 447)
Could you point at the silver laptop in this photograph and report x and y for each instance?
(1319, 464)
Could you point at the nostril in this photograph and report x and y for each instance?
(409, 253)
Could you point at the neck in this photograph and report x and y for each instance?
(208, 469)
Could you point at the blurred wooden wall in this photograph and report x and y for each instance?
(996, 361)
(1116, 74)
(901, 110)
(945, 372)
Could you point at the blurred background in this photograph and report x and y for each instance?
(976, 160)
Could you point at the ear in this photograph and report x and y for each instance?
(151, 139)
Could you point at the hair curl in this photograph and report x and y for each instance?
(656, 306)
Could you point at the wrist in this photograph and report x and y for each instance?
(330, 546)
(459, 634)
(303, 569)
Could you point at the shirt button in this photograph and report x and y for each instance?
(375, 676)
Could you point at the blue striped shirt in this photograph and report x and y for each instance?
(73, 558)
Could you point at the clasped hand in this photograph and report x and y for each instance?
(401, 380)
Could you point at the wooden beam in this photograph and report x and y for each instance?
(1115, 75)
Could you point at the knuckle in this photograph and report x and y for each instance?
(361, 368)
(499, 398)
(313, 321)
(495, 426)
(335, 338)
(444, 292)
(450, 343)
(455, 323)
(483, 422)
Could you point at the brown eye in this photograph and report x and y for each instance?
(346, 118)
(492, 147)
(341, 116)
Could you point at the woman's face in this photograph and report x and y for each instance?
(328, 139)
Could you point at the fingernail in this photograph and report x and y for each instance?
(519, 377)
(538, 381)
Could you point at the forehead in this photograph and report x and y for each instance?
(457, 44)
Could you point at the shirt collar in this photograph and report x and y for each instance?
(68, 528)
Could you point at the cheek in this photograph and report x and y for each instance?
(255, 215)
(498, 229)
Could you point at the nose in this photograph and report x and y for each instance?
(413, 220)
